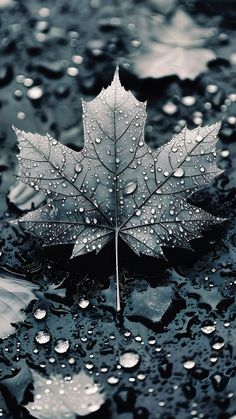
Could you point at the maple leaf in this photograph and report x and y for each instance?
(65, 398)
(117, 186)
(15, 295)
(177, 48)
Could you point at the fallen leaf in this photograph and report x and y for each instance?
(117, 186)
(16, 384)
(15, 295)
(63, 398)
(175, 47)
(151, 304)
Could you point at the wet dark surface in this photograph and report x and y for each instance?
(179, 315)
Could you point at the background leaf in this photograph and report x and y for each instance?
(61, 397)
(15, 295)
(175, 47)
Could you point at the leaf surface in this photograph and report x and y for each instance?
(118, 186)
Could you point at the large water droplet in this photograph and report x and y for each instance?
(40, 313)
(113, 380)
(35, 93)
(188, 365)
(218, 345)
(199, 138)
(208, 329)
(42, 337)
(83, 303)
(130, 187)
(62, 346)
(179, 172)
(78, 167)
(129, 360)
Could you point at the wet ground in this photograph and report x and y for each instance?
(171, 353)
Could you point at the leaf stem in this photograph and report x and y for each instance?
(118, 308)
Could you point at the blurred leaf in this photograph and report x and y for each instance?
(150, 304)
(15, 295)
(175, 47)
(61, 397)
(18, 382)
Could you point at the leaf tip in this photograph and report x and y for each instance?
(15, 129)
(116, 77)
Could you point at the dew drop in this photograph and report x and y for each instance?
(62, 346)
(40, 313)
(35, 93)
(218, 345)
(199, 138)
(188, 365)
(169, 108)
(208, 329)
(42, 337)
(113, 380)
(129, 360)
(78, 168)
(225, 153)
(130, 187)
(83, 303)
(179, 172)
(212, 88)
(188, 100)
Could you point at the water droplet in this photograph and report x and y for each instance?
(212, 88)
(218, 345)
(72, 71)
(42, 337)
(188, 365)
(89, 365)
(208, 329)
(225, 153)
(169, 108)
(188, 100)
(141, 377)
(179, 172)
(130, 187)
(98, 140)
(129, 360)
(113, 380)
(199, 138)
(62, 346)
(40, 313)
(83, 303)
(35, 93)
(78, 167)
